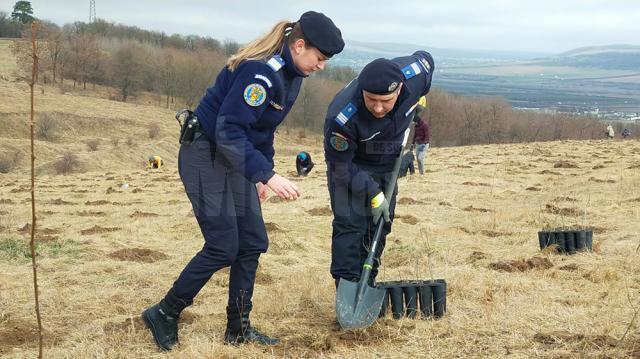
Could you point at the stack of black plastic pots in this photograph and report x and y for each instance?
(407, 298)
(567, 241)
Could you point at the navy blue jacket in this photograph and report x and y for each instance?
(241, 111)
(355, 141)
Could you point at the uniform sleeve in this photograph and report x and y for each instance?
(426, 60)
(243, 105)
(339, 149)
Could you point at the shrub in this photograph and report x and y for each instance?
(9, 162)
(154, 131)
(46, 127)
(93, 144)
(67, 164)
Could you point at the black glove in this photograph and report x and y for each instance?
(380, 208)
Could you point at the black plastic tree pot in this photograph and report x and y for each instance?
(407, 298)
(567, 241)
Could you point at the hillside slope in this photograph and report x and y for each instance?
(108, 251)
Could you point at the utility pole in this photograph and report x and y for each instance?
(92, 11)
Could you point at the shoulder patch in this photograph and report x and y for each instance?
(346, 114)
(338, 142)
(411, 70)
(425, 64)
(263, 78)
(255, 95)
(276, 63)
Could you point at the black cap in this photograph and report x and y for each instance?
(380, 76)
(321, 33)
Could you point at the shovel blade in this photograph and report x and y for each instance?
(355, 308)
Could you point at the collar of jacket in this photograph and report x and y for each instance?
(290, 66)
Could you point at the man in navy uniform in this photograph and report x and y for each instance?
(363, 133)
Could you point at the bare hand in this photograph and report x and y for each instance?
(284, 188)
(262, 192)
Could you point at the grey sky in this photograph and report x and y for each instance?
(542, 25)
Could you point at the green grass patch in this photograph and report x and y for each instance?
(12, 248)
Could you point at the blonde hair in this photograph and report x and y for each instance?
(266, 45)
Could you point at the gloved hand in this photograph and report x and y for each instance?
(380, 208)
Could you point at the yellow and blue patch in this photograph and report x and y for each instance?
(338, 142)
(255, 95)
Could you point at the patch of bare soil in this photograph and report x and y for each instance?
(6, 201)
(565, 199)
(274, 199)
(60, 202)
(598, 180)
(408, 219)
(476, 256)
(522, 265)
(98, 230)
(91, 214)
(490, 233)
(565, 164)
(320, 211)
(567, 211)
(139, 214)
(548, 172)
(482, 184)
(597, 167)
(535, 189)
(273, 227)
(476, 209)
(138, 255)
(17, 332)
(561, 337)
(407, 200)
(99, 202)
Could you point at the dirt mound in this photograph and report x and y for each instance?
(535, 189)
(90, 214)
(482, 184)
(98, 230)
(17, 332)
(273, 227)
(138, 255)
(406, 200)
(564, 337)
(476, 209)
(408, 219)
(320, 211)
(565, 199)
(551, 208)
(60, 202)
(97, 203)
(477, 256)
(598, 180)
(565, 164)
(139, 214)
(494, 234)
(522, 265)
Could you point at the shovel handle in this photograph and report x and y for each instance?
(388, 193)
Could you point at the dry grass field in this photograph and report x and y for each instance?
(106, 252)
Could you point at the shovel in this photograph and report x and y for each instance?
(358, 304)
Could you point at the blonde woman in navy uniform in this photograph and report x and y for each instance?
(364, 130)
(226, 171)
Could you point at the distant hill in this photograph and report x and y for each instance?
(610, 57)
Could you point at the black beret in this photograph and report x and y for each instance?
(321, 33)
(380, 76)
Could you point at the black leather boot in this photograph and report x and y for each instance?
(162, 320)
(239, 329)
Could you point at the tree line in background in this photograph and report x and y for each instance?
(177, 69)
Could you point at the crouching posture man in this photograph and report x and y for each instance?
(364, 130)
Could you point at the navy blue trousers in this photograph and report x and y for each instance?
(228, 211)
(353, 228)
